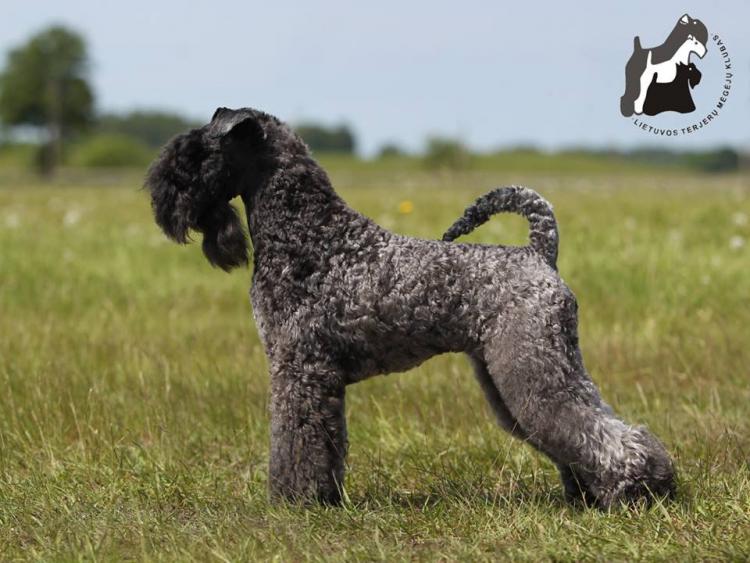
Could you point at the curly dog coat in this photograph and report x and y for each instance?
(338, 299)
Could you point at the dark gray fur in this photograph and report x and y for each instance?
(543, 234)
(338, 299)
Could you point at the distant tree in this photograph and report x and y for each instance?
(527, 148)
(44, 85)
(719, 160)
(328, 139)
(446, 154)
(110, 150)
(389, 150)
(722, 159)
(657, 156)
(152, 128)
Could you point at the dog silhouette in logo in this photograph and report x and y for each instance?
(659, 65)
(675, 95)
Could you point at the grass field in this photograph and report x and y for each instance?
(133, 407)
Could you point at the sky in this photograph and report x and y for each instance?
(493, 74)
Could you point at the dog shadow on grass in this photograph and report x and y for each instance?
(431, 483)
(519, 495)
(463, 483)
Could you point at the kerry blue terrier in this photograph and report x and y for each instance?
(337, 299)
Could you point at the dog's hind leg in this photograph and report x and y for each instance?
(572, 483)
(502, 414)
(308, 433)
(534, 361)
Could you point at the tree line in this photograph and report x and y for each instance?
(46, 96)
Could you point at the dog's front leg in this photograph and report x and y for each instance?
(308, 432)
(645, 82)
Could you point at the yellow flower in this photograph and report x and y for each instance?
(405, 207)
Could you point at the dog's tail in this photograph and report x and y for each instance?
(513, 199)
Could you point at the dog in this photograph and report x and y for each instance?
(675, 95)
(688, 36)
(338, 299)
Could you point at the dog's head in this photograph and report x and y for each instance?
(198, 173)
(693, 75)
(690, 30)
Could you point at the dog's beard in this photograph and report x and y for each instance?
(190, 188)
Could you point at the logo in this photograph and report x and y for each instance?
(665, 78)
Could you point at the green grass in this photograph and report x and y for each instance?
(134, 389)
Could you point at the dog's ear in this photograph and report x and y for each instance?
(239, 133)
(219, 112)
(685, 19)
(243, 133)
(235, 125)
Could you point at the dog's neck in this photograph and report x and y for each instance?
(294, 207)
